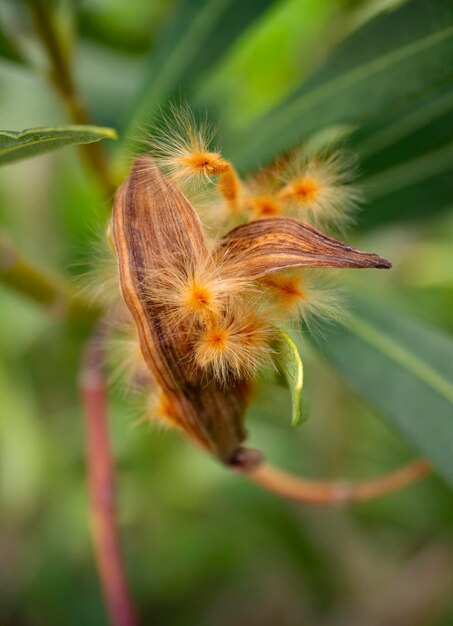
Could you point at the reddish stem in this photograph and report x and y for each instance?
(101, 483)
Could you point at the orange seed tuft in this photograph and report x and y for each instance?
(235, 346)
(209, 163)
(265, 206)
(304, 190)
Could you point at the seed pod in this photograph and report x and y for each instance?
(158, 237)
(278, 243)
(154, 226)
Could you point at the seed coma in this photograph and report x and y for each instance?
(235, 347)
(266, 207)
(213, 346)
(304, 190)
(207, 162)
(161, 410)
(287, 290)
(217, 338)
(199, 298)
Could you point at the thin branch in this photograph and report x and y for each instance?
(62, 79)
(44, 288)
(326, 493)
(101, 482)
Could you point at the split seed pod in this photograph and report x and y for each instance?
(154, 227)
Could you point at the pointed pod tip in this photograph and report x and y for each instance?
(383, 264)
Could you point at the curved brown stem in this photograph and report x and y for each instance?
(328, 493)
(101, 482)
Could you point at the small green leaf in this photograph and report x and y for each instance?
(404, 369)
(16, 145)
(290, 364)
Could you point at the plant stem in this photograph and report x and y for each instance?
(326, 493)
(101, 483)
(45, 289)
(62, 78)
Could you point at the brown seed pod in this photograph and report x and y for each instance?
(155, 229)
(274, 244)
(153, 225)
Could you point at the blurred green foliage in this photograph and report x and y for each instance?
(203, 546)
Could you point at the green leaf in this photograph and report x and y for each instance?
(415, 188)
(9, 50)
(407, 160)
(272, 58)
(194, 39)
(396, 57)
(289, 363)
(412, 130)
(16, 145)
(404, 369)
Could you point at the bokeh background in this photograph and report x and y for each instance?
(202, 546)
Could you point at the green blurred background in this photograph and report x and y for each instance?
(203, 546)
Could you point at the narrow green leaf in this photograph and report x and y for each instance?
(415, 188)
(407, 161)
(396, 57)
(412, 130)
(272, 58)
(195, 37)
(9, 50)
(289, 363)
(404, 369)
(16, 145)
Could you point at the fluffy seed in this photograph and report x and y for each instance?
(181, 146)
(99, 282)
(264, 206)
(260, 199)
(288, 290)
(206, 163)
(317, 188)
(160, 410)
(234, 346)
(306, 295)
(194, 294)
(124, 357)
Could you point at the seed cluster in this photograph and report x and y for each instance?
(230, 322)
(211, 265)
(313, 185)
(220, 318)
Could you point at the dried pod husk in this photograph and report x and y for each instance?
(274, 244)
(154, 226)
